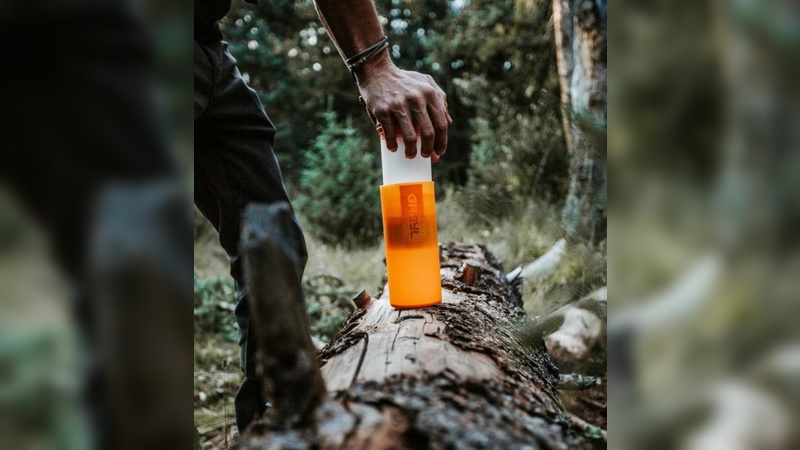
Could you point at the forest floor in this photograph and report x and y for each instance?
(335, 274)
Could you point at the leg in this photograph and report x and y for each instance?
(235, 165)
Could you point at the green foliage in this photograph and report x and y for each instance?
(328, 303)
(487, 197)
(593, 432)
(514, 160)
(340, 187)
(213, 307)
(504, 74)
(286, 56)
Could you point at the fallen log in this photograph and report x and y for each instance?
(453, 375)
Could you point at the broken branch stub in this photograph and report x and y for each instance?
(285, 354)
(362, 299)
(469, 272)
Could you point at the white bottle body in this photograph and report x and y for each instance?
(396, 168)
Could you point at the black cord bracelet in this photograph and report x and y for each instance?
(358, 60)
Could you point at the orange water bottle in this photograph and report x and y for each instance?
(409, 228)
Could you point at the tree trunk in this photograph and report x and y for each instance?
(580, 36)
(453, 375)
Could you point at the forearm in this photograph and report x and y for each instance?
(353, 26)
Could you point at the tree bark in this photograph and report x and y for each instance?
(453, 375)
(580, 36)
(562, 27)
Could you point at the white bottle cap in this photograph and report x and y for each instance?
(399, 169)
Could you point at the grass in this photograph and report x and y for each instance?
(217, 377)
(357, 268)
(520, 238)
(515, 240)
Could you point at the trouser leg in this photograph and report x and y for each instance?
(235, 165)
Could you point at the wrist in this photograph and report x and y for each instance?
(376, 65)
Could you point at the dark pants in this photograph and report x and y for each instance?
(234, 165)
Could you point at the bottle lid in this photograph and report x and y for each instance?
(397, 168)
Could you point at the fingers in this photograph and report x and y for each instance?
(384, 116)
(440, 124)
(409, 134)
(426, 130)
(398, 117)
(440, 118)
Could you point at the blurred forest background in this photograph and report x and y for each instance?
(503, 182)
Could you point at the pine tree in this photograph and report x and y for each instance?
(340, 187)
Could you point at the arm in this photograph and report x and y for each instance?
(399, 100)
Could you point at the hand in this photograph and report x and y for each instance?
(405, 101)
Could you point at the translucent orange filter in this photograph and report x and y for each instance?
(412, 244)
